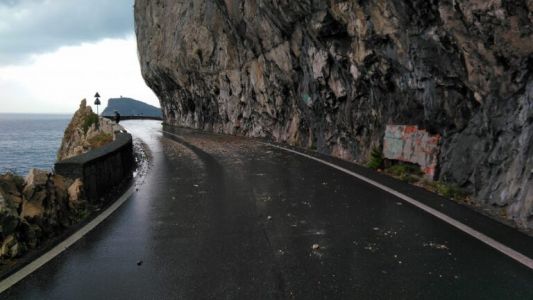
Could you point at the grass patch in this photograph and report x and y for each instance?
(376, 159)
(446, 190)
(100, 140)
(405, 172)
(449, 190)
(89, 121)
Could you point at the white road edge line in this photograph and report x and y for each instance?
(517, 256)
(64, 245)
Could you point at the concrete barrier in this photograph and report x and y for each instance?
(101, 169)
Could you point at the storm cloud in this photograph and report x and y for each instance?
(30, 27)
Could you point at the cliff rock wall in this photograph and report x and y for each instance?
(333, 74)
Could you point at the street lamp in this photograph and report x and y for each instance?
(97, 102)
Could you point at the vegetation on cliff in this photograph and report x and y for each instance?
(86, 131)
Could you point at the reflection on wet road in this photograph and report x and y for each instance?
(224, 217)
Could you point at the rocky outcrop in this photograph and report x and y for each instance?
(35, 209)
(86, 131)
(332, 75)
(42, 205)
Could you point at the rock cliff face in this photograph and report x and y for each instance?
(83, 133)
(331, 75)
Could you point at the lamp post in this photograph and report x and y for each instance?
(97, 102)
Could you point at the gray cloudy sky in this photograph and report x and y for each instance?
(38, 26)
(53, 53)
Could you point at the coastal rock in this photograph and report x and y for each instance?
(75, 191)
(35, 180)
(34, 192)
(31, 234)
(9, 219)
(10, 200)
(10, 247)
(86, 131)
(46, 201)
(10, 186)
(36, 208)
(331, 75)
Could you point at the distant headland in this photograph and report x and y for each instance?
(129, 108)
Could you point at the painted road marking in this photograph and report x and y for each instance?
(517, 256)
(43, 259)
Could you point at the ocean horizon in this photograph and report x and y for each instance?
(30, 140)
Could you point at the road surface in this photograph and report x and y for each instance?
(220, 217)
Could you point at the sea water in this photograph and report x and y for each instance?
(30, 141)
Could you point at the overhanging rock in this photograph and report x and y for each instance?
(409, 144)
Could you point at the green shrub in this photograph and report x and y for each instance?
(89, 121)
(376, 159)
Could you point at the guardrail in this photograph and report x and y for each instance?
(101, 169)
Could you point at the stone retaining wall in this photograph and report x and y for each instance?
(101, 169)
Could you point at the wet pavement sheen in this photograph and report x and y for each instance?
(219, 217)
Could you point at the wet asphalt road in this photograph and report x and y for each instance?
(227, 218)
